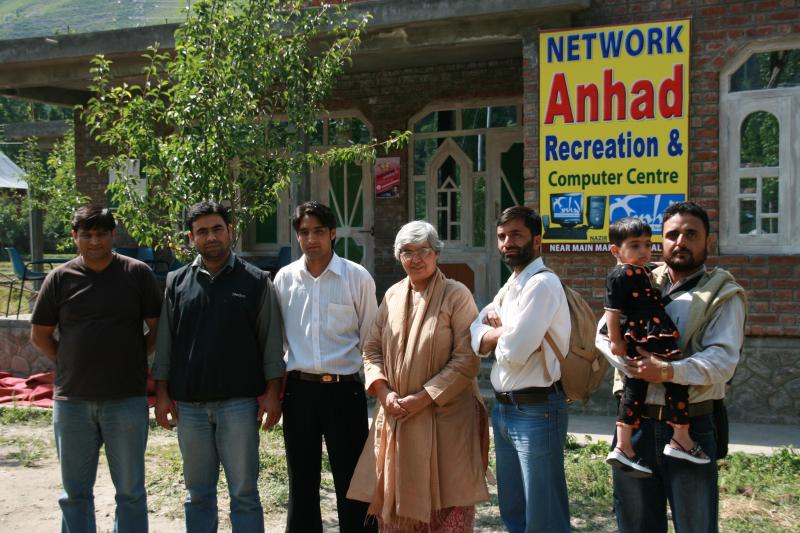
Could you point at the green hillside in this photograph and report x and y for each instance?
(36, 18)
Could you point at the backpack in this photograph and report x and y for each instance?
(583, 367)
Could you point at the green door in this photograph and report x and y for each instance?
(349, 195)
(511, 188)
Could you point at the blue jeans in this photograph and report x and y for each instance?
(210, 433)
(691, 490)
(80, 428)
(529, 445)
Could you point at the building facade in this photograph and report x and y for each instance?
(463, 76)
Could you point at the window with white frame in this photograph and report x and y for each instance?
(760, 150)
(449, 192)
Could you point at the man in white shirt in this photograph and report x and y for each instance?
(708, 307)
(529, 416)
(328, 305)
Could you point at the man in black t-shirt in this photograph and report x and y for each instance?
(99, 302)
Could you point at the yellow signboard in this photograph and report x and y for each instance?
(614, 126)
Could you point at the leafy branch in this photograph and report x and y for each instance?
(226, 116)
(52, 185)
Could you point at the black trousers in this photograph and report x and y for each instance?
(634, 393)
(337, 412)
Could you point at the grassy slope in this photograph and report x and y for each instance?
(34, 18)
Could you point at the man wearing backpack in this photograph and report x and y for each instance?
(529, 416)
(708, 307)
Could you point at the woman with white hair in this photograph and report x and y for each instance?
(423, 466)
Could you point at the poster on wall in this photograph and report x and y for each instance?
(614, 129)
(387, 177)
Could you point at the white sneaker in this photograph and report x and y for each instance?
(630, 465)
(696, 455)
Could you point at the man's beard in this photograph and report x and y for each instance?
(214, 253)
(688, 263)
(523, 256)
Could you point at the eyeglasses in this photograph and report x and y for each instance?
(422, 253)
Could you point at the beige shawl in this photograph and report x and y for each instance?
(433, 459)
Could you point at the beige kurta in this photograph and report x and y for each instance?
(433, 459)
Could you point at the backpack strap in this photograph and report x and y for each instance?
(552, 343)
(504, 289)
(547, 336)
(558, 353)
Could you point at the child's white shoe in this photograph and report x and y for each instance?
(696, 455)
(630, 465)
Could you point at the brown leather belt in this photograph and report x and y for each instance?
(527, 395)
(659, 412)
(322, 378)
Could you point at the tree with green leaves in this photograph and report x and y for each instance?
(227, 116)
(52, 187)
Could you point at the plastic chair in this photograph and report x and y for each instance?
(146, 255)
(128, 251)
(284, 256)
(161, 273)
(23, 273)
(273, 264)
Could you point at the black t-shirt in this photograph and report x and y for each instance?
(101, 349)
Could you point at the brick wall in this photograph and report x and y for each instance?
(90, 182)
(719, 31)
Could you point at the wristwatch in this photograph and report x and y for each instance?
(665, 367)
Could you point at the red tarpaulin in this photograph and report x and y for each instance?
(37, 390)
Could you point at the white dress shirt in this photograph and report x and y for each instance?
(706, 371)
(327, 318)
(529, 305)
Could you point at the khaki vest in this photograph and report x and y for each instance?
(715, 288)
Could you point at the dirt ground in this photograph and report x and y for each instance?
(31, 484)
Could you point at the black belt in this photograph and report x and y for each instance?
(659, 412)
(323, 378)
(527, 395)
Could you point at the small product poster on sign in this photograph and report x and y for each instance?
(387, 177)
(614, 131)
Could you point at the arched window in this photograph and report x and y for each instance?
(459, 203)
(758, 174)
(465, 166)
(759, 161)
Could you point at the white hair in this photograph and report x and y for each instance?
(417, 232)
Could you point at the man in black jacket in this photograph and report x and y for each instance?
(218, 369)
